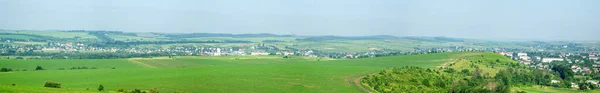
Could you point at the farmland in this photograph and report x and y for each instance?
(210, 74)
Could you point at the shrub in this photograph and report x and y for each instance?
(93, 68)
(5, 70)
(39, 68)
(14, 84)
(100, 88)
(466, 71)
(61, 68)
(121, 90)
(137, 91)
(52, 84)
(153, 90)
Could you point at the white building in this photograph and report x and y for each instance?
(259, 53)
(551, 59)
(521, 54)
(218, 52)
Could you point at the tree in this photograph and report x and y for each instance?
(100, 88)
(39, 68)
(564, 71)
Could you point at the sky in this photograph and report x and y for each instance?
(479, 19)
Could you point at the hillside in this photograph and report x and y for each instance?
(480, 73)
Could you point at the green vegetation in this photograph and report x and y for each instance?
(213, 74)
(483, 73)
(546, 89)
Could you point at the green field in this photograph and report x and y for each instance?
(210, 74)
(84, 35)
(546, 89)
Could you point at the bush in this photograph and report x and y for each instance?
(52, 84)
(466, 71)
(153, 90)
(100, 88)
(39, 68)
(137, 91)
(121, 90)
(93, 68)
(61, 68)
(5, 70)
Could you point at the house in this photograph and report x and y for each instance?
(596, 65)
(502, 53)
(586, 70)
(554, 81)
(524, 57)
(574, 85)
(594, 58)
(259, 53)
(349, 56)
(546, 60)
(526, 62)
(308, 52)
(538, 58)
(521, 54)
(288, 53)
(575, 68)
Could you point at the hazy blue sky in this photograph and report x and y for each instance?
(528, 19)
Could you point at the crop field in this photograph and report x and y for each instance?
(17, 36)
(208, 74)
(132, 38)
(60, 34)
(253, 39)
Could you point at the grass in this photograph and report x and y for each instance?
(213, 74)
(83, 35)
(31, 43)
(16, 37)
(133, 38)
(545, 89)
(28, 89)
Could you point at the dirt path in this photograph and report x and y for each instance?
(141, 63)
(357, 83)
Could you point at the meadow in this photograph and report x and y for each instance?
(209, 74)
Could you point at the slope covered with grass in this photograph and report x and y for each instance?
(215, 74)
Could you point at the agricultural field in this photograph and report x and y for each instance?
(134, 38)
(545, 89)
(209, 74)
(83, 35)
(17, 36)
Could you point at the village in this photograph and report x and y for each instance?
(583, 64)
